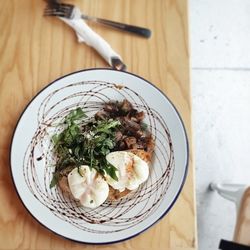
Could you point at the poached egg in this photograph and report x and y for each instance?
(88, 186)
(131, 170)
(92, 190)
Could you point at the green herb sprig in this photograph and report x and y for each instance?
(84, 143)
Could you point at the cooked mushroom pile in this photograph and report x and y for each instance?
(133, 133)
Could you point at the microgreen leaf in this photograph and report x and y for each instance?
(144, 126)
(111, 171)
(85, 143)
(105, 126)
(75, 115)
(54, 180)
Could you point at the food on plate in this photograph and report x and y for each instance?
(131, 170)
(115, 194)
(88, 186)
(103, 157)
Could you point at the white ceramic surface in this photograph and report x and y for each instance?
(32, 157)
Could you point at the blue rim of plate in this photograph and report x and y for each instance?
(176, 196)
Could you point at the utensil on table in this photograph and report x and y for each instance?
(85, 34)
(68, 11)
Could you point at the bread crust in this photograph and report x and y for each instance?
(114, 194)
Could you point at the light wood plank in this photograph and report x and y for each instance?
(35, 50)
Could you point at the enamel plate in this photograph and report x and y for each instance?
(32, 157)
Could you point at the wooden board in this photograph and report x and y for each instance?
(35, 50)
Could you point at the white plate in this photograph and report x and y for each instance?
(31, 157)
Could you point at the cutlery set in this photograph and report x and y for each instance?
(73, 16)
(54, 8)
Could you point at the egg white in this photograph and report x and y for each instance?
(131, 170)
(88, 186)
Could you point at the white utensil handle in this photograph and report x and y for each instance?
(91, 38)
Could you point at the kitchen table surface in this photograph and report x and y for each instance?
(35, 50)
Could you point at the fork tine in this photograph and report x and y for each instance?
(60, 5)
(53, 14)
(58, 9)
(56, 12)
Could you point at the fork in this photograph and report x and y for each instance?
(55, 8)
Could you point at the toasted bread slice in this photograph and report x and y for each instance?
(64, 185)
(146, 156)
(63, 181)
(114, 194)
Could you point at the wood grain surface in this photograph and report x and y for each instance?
(35, 50)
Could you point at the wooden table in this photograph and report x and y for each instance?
(35, 50)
